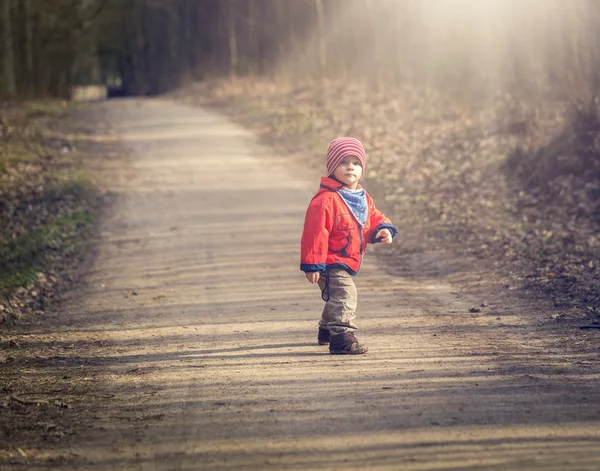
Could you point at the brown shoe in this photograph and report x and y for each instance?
(345, 344)
(323, 336)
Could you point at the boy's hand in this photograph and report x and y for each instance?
(312, 276)
(384, 236)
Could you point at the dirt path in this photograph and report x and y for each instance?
(196, 336)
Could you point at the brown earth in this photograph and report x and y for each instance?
(192, 342)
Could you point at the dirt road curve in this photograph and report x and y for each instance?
(201, 332)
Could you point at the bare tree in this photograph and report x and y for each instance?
(9, 64)
(232, 39)
(27, 5)
(253, 37)
(322, 42)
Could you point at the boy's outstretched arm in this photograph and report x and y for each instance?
(382, 229)
(315, 240)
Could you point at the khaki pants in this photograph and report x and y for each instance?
(341, 297)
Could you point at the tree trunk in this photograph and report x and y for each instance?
(9, 64)
(29, 45)
(294, 66)
(185, 41)
(254, 53)
(231, 34)
(372, 19)
(280, 37)
(322, 43)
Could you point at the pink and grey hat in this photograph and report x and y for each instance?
(342, 147)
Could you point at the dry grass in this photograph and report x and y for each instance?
(45, 204)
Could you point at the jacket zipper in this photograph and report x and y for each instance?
(360, 230)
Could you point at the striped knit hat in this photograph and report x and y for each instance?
(342, 147)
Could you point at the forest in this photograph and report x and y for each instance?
(535, 47)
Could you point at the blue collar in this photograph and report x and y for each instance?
(357, 202)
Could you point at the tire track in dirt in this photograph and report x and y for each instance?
(203, 334)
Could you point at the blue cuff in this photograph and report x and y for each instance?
(312, 267)
(385, 225)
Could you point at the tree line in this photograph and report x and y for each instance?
(474, 46)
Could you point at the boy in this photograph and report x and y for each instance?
(340, 220)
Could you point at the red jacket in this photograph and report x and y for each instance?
(332, 236)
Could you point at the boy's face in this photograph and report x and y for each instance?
(349, 171)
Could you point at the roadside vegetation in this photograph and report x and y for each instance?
(46, 205)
